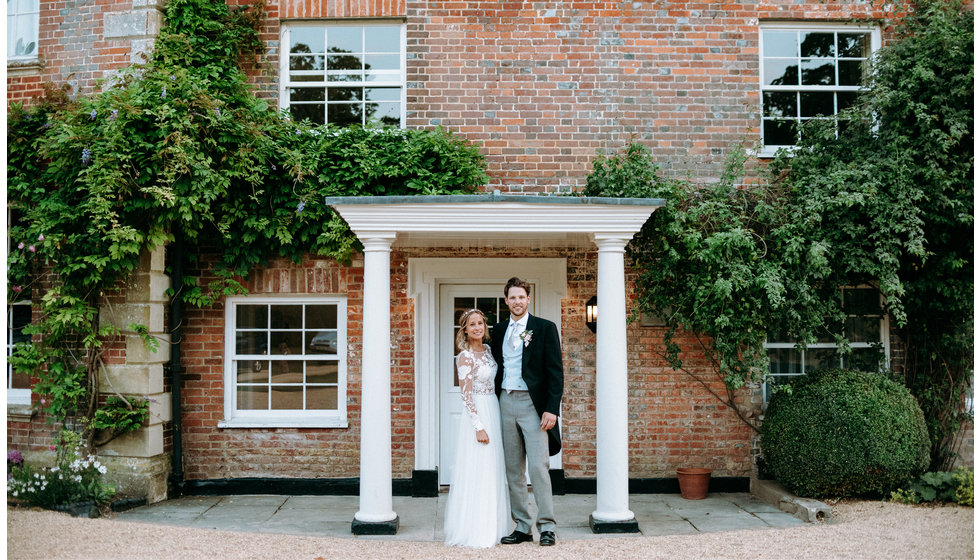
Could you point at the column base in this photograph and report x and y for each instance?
(374, 527)
(600, 526)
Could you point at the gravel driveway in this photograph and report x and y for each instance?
(860, 530)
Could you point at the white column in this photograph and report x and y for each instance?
(612, 443)
(375, 483)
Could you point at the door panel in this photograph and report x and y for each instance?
(454, 299)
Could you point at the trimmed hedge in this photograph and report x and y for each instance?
(842, 433)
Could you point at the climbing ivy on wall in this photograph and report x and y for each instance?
(181, 146)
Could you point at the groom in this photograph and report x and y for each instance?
(529, 386)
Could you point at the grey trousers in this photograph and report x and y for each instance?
(523, 438)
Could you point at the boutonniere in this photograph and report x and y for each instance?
(526, 337)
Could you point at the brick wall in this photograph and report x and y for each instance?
(544, 86)
(673, 421)
(81, 42)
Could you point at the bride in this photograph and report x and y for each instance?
(478, 508)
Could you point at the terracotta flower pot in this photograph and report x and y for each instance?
(693, 482)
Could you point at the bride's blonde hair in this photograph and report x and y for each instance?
(462, 341)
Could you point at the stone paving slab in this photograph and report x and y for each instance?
(421, 519)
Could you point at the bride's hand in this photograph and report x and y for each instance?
(482, 437)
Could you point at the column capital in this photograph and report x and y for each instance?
(376, 240)
(611, 242)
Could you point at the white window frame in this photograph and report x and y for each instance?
(768, 151)
(397, 80)
(883, 342)
(285, 418)
(17, 19)
(20, 395)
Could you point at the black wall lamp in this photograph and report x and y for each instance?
(591, 313)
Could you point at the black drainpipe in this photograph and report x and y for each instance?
(176, 322)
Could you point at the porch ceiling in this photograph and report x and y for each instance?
(494, 220)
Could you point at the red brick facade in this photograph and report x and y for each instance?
(542, 88)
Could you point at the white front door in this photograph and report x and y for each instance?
(453, 301)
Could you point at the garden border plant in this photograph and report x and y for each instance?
(181, 146)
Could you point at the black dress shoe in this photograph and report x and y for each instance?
(547, 538)
(518, 537)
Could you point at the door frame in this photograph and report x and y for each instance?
(425, 278)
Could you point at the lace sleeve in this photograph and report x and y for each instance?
(466, 366)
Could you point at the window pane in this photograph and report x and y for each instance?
(344, 39)
(779, 133)
(344, 62)
(489, 308)
(382, 94)
(781, 72)
(287, 343)
(779, 43)
(821, 358)
(785, 360)
(817, 72)
(306, 62)
(321, 316)
(863, 359)
(287, 316)
(321, 398)
(20, 318)
(287, 397)
(344, 93)
(816, 103)
(252, 371)
(388, 114)
(862, 329)
(344, 114)
(817, 44)
(322, 371)
(312, 113)
(256, 343)
(306, 94)
(779, 104)
(382, 39)
(251, 316)
(306, 40)
(287, 371)
(845, 99)
(321, 342)
(382, 62)
(850, 72)
(853, 45)
(253, 398)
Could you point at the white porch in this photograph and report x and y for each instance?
(493, 220)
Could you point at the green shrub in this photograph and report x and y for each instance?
(842, 433)
(945, 486)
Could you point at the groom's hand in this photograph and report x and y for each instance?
(548, 421)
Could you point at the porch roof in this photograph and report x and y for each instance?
(488, 220)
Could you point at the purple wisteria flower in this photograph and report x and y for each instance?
(86, 156)
(163, 94)
(300, 207)
(93, 114)
(114, 114)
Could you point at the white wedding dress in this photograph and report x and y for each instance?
(478, 507)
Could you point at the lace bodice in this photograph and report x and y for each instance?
(476, 373)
